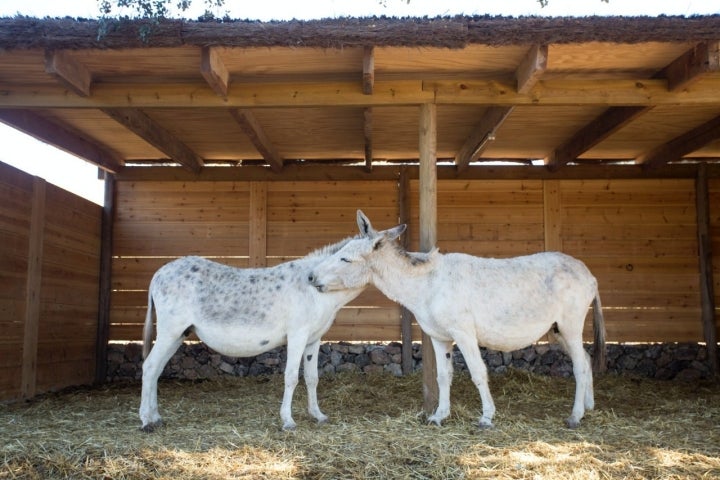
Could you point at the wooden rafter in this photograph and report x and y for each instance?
(531, 68)
(145, 127)
(214, 71)
(679, 73)
(483, 133)
(60, 137)
(69, 71)
(689, 67)
(686, 143)
(256, 133)
(593, 133)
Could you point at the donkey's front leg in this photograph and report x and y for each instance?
(444, 361)
(295, 348)
(310, 371)
(478, 371)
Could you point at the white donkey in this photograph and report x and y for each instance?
(240, 312)
(502, 304)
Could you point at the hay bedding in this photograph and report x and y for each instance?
(229, 428)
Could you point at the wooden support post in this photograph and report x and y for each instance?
(707, 295)
(428, 233)
(258, 225)
(106, 246)
(32, 290)
(551, 213)
(406, 317)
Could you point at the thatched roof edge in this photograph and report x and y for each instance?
(448, 32)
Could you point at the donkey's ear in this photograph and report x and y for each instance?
(364, 225)
(395, 232)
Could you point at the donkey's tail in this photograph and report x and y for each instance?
(148, 328)
(599, 359)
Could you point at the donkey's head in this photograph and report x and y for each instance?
(350, 266)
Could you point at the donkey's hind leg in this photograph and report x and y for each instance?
(152, 368)
(583, 377)
(310, 372)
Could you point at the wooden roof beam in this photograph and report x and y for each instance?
(596, 131)
(252, 128)
(680, 73)
(60, 137)
(145, 127)
(531, 68)
(482, 134)
(680, 146)
(214, 71)
(701, 59)
(550, 92)
(71, 73)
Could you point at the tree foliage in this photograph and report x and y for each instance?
(157, 9)
(153, 8)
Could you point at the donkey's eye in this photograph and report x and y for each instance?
(346, 260)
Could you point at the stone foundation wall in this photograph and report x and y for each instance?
(669, 361)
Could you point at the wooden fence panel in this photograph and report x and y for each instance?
(639, 238)
(15, 211)
(714, 197)
(70, 291)
(49, 271)
(299, 217)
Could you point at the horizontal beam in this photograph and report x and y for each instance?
(561, 92)
(392, 172)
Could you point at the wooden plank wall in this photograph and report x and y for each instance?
(243, 224)
(49, 270)
(714, 194)
(637, 236)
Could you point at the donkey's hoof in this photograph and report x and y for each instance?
(572, 423)
(434, 421)
(485, 425)
(151, 427)
(323, 421)
(289, 427)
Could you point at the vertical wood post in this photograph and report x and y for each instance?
(551, 214)
(406, 316)
(258, 225)
(32, 289)
(707, 294)
(106, 246)
(428, 233)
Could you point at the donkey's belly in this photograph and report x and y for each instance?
(509, 336)
(245, 341)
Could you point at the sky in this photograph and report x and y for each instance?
(80, 177)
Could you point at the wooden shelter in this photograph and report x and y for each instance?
(256, 142)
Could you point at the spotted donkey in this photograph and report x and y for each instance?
(240, 312)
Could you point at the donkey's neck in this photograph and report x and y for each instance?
(400, 278)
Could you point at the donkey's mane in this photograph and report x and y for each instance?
(332, 248)
(415, 259)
